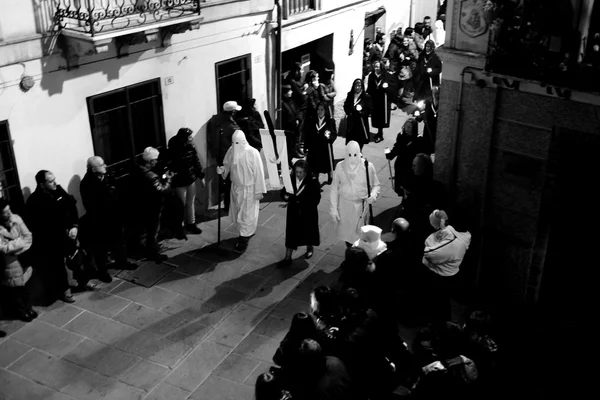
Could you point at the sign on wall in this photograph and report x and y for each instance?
(472, 20)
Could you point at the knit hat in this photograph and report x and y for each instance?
(150, 153)
(438, 219)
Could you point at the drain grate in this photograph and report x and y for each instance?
(147, 274)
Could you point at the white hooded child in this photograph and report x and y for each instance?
(349, 196)
(247, 186)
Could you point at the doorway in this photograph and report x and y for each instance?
(316, 55)
(234, 80)
(570, 255)
(10, 187)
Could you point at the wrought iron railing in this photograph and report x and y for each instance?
(98, 16)
(293, 7)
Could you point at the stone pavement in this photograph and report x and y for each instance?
(202, 326)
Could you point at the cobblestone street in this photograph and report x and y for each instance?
(200, 326)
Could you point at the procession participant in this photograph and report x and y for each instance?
(320, 134)
(302, 221)
(349, 196)
(248, 186)
(381, 95)
(358, 109)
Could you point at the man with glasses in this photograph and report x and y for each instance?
(103, 223)
(52, 218)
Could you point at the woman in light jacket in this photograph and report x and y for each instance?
(15, 239)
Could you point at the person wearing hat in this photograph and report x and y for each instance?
(245, 166)
(220, 129)
(51, 215)
(349, 196)
(150, 189)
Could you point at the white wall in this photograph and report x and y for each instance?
(50, 124)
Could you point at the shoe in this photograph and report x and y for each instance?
(85, 287)
(329, 181)
(24, 316)
(181, 235)
(33, 314)
(2, 334)
(103, 276)
(286, 262)
(68, 298)
(309, 254)
(240, 247)
(378, 139)
(193, 228)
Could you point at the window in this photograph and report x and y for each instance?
(10, 188)
(234, 80)
(126, 121)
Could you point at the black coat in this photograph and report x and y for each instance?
(103, 207)
(379, 89)
(320, 158)
(423, 82)
(358, 121)
(302, 221)
(184, 161)
(219, 143)
(50, 215)
(405, 149)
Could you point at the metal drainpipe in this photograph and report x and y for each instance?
(278, 65)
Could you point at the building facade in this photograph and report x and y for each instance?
(517, 150)
(110, 77)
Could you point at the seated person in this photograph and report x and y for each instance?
(302, 327)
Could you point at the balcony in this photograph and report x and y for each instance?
(98, 22)
(295, 7)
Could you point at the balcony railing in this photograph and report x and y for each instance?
(294, 7)
(94, 17)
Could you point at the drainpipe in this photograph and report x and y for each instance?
(410, 13)
(278, 65)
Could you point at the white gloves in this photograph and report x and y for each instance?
(220, 170)
(327, 134)
(358, 107)
(336, 216)
(258, 196)
(371, 199)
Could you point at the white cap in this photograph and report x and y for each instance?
(231, 106)
(150, 153)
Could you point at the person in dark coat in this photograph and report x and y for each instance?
(358, 108)
(429, 68)
(52, 218)
(378, 88)
(302, 221)
(300, 97)
(329, 87)
(302, 327)
(408, 145)
(290, 122)
(219, 131)
(320, 133)
(315, 94)
(102, 227)
(250, 123)
(185, 164)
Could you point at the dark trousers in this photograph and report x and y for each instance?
(15, 299)
(151, 230)
(50, 273)
(113, 240)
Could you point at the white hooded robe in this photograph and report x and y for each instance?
(247, 180)
(349, 193)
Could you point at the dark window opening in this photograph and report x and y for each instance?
(10, 187)
(234, 80)
(126, 121)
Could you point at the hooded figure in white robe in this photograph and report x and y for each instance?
(247, 183)
(349, 196)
